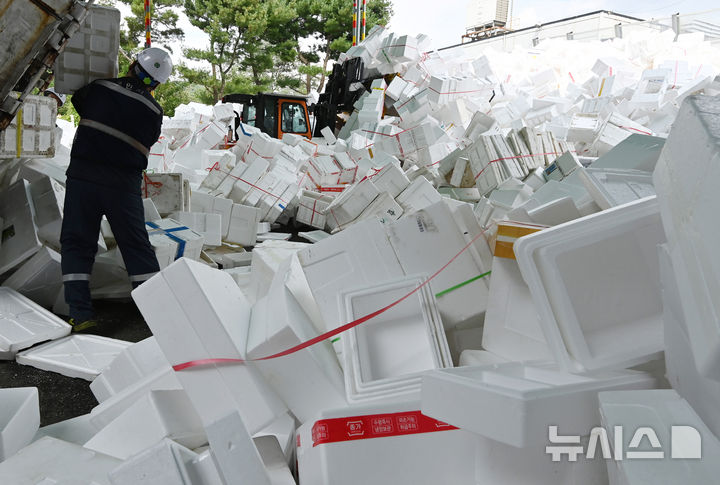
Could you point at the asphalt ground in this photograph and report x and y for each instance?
(64, 397)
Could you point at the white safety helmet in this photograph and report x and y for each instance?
(60, 97)
(157, 63)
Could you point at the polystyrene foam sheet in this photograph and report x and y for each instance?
(19, 419)
(595, 283)
(82, 356)
(23, 323)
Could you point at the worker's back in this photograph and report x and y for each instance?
(120, 121)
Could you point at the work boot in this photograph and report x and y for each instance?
(81, 326)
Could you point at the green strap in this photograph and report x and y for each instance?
(460, 285)
(334, 340)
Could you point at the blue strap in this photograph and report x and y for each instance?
(169, 233)
(243, 130)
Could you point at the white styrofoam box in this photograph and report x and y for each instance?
(264, 227)
(701, 392)
(555, 212)
(360, 255)
(426, 241)
(418, 195)
(227, 178)
(243, 225)
(307, 380)
(48, 199)
(151, 212)
(391, 179)
(690, 453)
(131, 365)
(52, 461)
(514, 402)
(91, 53)
(220, 165)
(250, 176)
(471, 357)
(390, 351)
(370, 444)
(267, 258)
(636, 152)
(112, 407)
(76, 430)
(512, 328)
(19, 232)
(683, 180)
(196, 312)
(164, 463)
(158, 415)
(165, 190)
(25, 323)
(651, 89)
(610, 253)
(383, 208)
(39, 279)
(274, 460)
(234, 452)
(34, 137)
(584, 127)
(610, 188)
(208, 225)
(80, 356)
(348, 205)
(19, 419)
(201, 202)
(312, 209)
(314, 236)
(237, 260)
(159, 157)
(172, 240)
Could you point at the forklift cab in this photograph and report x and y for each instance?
(274, 114)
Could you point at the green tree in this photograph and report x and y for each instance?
(324, 31)
(164, 29)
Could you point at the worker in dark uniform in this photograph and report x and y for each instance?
(120, 121)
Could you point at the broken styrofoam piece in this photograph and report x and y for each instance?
(234, 452)
(479, 357)
(52, 461)
(283, 430)
(636, 152)
(513, 402)
(80, 356)
(39, 279)
(130, 366)
(375, 365)
(274, 460)
(314, 236)
(274, 236)
(48, 200)
(76, 430)
(196, 312)
(511, 327)
(158, 415)
(701, 392)
(611, 253)
(19, 232)
(383, 440)
(25, 323)
(689, 452)
(684, 182)
(19, 419)
(151, 212)
(164, 463)
(610, 188)
(267, 258)
(307, 380)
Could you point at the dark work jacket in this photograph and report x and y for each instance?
(121, 104)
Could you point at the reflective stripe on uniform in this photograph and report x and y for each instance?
(131, 94)
(142, 277)
(117, 134)
(76, 277)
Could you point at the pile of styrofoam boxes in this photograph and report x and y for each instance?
(494, 214)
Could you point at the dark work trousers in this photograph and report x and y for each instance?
(85, 204)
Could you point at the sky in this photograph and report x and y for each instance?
(447, 27)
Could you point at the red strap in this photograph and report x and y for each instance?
(354, 428)
(147, 181)
(331, 333)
